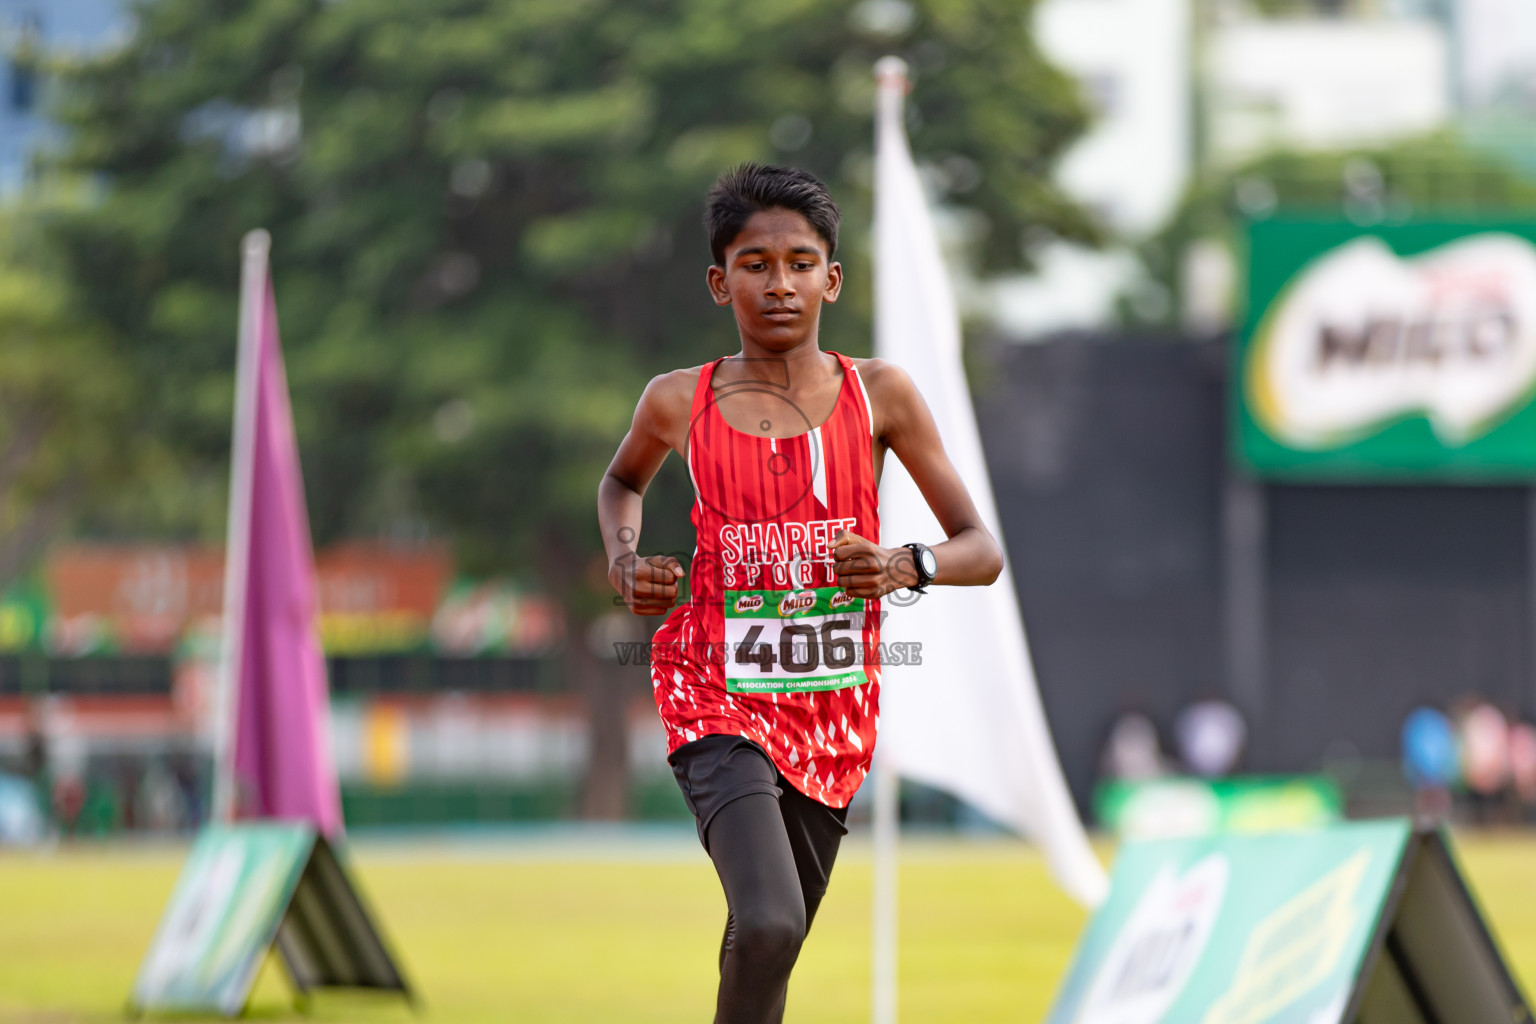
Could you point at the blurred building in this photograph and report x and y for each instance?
(1176, 85)
(1495, 68)
(1495, 53)
(1323, 83)
(1132, 61)
(28, 28)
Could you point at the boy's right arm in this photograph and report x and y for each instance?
(648, 585)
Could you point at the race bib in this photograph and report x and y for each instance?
(791, 641)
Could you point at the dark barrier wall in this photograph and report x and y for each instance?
(1105, 459)
(1108, 457)
(1386, 598)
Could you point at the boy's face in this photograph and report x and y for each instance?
(775, 278)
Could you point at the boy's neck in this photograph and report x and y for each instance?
(804, 358)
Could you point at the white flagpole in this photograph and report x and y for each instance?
(886, 843)
(254, 250)
(890, 77)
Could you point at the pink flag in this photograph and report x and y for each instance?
(276, 761)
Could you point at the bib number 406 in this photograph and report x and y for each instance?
(801, 647)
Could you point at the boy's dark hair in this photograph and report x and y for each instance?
(752, 188)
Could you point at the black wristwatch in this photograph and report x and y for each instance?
(926, 566)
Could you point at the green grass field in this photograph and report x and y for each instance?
(617, 931)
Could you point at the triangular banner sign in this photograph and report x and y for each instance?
(1366, 923)
(243, 889)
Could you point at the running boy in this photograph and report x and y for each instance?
(768, 678)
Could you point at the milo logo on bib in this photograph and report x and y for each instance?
(793, 641)
(797, 601)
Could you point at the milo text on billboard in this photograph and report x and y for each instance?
(1402, 351)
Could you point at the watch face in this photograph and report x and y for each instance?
(930, 564)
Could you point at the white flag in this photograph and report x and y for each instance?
(968, 719)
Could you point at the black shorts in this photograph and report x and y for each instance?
(714, 770)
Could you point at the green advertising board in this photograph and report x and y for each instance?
(243, 889)
(1174, 806)
(23, 616)
(1363, 923)
(1397, 352)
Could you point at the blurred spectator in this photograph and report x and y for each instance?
(1132, 753)
(1210, 735)
(123, 793)
(101, 812)
(68, 801)
(1522, 761)
(1484, 757)
(160, 805)
(1431, 761)
(35, 763)
(21, 822)
(187, 780)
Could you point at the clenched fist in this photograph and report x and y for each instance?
(648, 585)
(865, 569)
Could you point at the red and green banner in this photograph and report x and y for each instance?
(167, 599)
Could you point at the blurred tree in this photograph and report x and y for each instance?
(1437, 176)
(485, 216)
(68, 439)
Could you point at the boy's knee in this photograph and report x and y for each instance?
(773, 935)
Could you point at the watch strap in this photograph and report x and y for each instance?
(923, 576)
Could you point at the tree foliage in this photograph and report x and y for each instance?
(485, 220)
(69, 439)
(1436, 176)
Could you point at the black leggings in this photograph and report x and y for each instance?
(773, 848)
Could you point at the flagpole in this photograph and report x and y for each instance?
(890, 88)
(254, 250)
(886, 842)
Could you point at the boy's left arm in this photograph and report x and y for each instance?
(970, 556)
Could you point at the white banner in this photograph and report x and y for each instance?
(968, 719)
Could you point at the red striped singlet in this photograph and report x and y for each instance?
(767, 647)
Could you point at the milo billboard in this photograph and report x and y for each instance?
(1388, 353)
